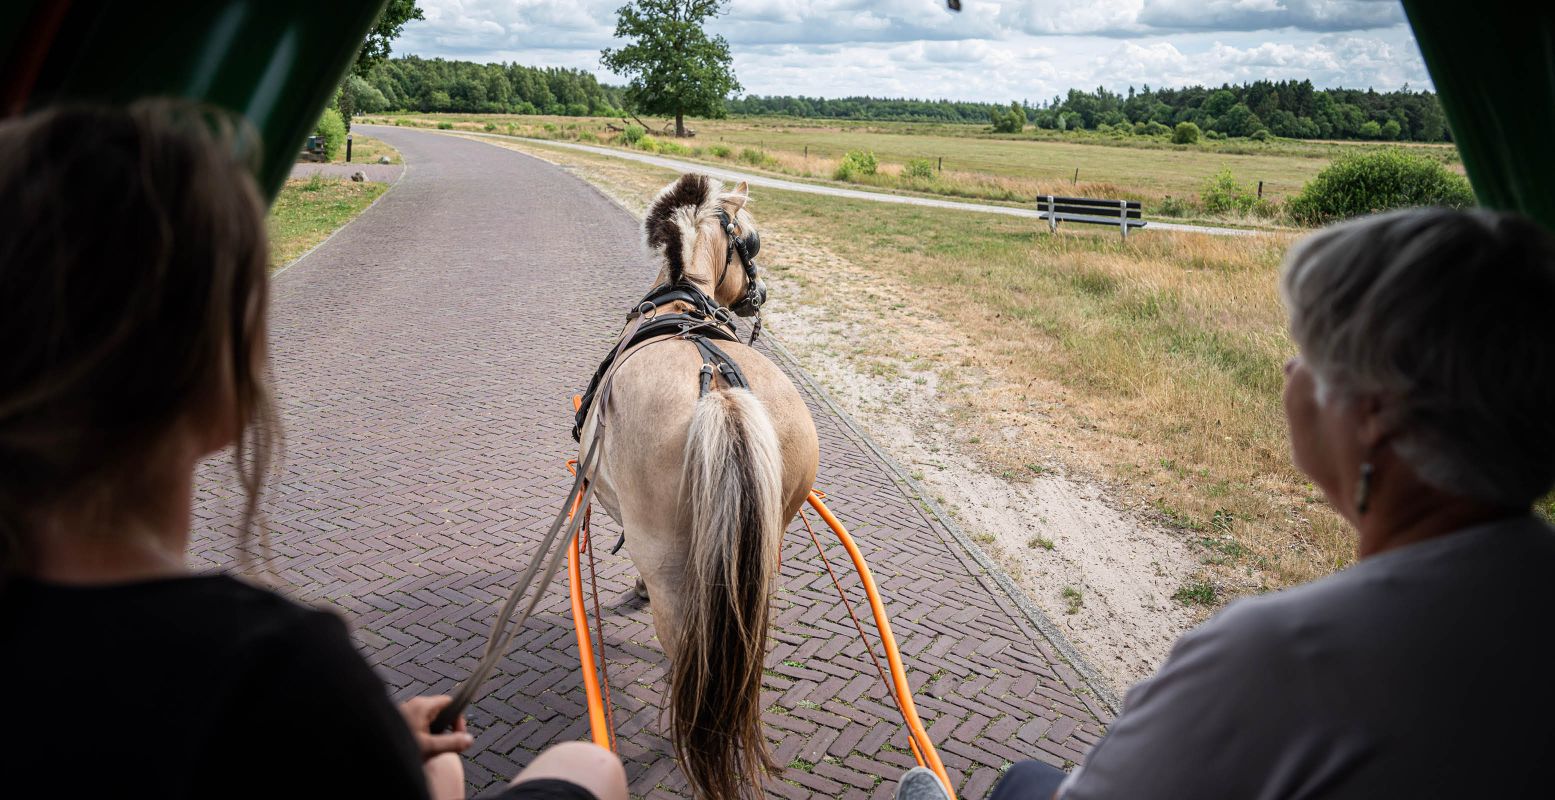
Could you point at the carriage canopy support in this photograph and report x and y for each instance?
(1493, 64)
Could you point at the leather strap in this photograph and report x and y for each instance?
(504, 628)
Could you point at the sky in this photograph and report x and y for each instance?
(994, 50)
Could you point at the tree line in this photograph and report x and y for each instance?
(412, 83)
(863, 108)
(1293, 109)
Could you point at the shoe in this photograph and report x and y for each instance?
(920, 783)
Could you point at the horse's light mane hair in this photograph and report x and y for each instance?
(676, 218)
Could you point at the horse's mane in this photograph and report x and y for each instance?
(674, 217)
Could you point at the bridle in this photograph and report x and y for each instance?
(747, 246)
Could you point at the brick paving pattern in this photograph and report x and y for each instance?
(424, 359)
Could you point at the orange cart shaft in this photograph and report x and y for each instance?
(923, 748)
(598, 728)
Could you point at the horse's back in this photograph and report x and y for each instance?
(655, 391)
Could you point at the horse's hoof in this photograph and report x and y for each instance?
(640, 589)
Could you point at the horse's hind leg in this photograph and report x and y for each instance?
(661, 566)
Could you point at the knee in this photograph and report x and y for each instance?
(590, 766)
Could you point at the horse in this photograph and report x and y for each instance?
(703, 475)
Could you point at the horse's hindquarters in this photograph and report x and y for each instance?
(704, 487)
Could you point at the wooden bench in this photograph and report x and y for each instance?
(1124, 214)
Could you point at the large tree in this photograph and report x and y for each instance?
(354, 95)
(671, 65)
(383, 33)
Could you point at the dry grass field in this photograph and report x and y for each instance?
(967, 161)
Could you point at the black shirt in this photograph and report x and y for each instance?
(190, 687)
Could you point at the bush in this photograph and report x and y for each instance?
(718, 151)
(1173, 207)
(1260, 135)
(1185, 133)
(919, 168)
(670, 148)
(648, 143)
(1154, 128)
(489, 127)
(1214, 135)
(856, 163)
(1368, 182)
(587, 137)
(1222, 194)
(754, 157)
(633, 134)
(1011, 120)
(445, 126)
(332, 129)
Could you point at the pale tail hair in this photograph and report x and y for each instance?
(733, 477)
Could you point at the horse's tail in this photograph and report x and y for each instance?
(733, 483)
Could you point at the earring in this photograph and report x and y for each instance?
(1363, 488)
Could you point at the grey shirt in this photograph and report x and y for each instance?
(1419, 672)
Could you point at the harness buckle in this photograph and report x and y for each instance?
(723, 315)
(647, 310)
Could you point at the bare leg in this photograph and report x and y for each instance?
(445, 777)
(590, 766)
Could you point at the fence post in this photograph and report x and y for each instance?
(348, 147)
(1260, 190)
(1076, 181)
(807, 155)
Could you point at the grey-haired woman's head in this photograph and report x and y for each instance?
(1433, 333)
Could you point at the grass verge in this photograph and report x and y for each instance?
(308, 210)
(367, 150)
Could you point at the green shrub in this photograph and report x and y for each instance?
(1379, 180)
(633, 134)
(919, 168)
(648, 143)
(1185, 133)
(1260, 135)
(1214, 135)
(1222, 195)
(718, 151)
(754, 157)
(1174, 207)
(445, 126)
(856, 163)
(1154, 128)
(489, 127)
(332, 129)
(587, 136)
(670, 148)
(1010, 120)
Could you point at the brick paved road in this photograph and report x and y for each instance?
(424, 358)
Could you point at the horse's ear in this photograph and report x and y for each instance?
(739, 196)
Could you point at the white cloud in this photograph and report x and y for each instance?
(994, 50)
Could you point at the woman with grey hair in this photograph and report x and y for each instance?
(1422, 404)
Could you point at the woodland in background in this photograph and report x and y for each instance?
(1293, 109)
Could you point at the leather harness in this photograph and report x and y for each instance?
(702, 324)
